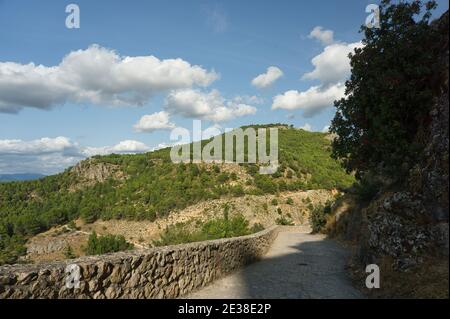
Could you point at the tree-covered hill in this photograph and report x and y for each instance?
(149, 186)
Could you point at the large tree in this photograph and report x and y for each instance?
(390, 92)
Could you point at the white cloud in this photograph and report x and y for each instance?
(332, 65)
(326, 37)
(153, 122)
(45, 155)
(124, 147)
(52, 155)
(247, 99)
(326, 129)
(37, 147)
(311, 101)
(307, 127)
(96, 75)
(267, 79)
(331, 69)
(207, 106)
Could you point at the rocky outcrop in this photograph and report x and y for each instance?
(90, 171)
(164, 272)
(429, 178)
(93, 171)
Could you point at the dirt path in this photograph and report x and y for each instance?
(298, 265)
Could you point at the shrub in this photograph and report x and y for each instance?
(274, 202)
(88, 215)
(266, 184)
(223, 177)
(237, 191)
(366, 189)
(318, 217)
(290, 201)
(257, 227)
(106, 244)
(284, 221)
(214, 229)
(178, 234)
(72, 225)
(289, 174)
(68, 252)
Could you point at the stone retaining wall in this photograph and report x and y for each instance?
(162, 272)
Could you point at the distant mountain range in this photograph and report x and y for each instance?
(19, 177)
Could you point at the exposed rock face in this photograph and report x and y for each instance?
(404, 224)
(432, 172)
(90, 172)
(165, 272)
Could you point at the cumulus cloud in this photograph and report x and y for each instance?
(95, 75)
(326, 37)
(310, 101)
(124, 147)
(326, 129)
(38, 147)
(265, 80)
(249, 99)
(153, 122)
(331, 69)
(209, 106)
(332, 65)
(52, 155)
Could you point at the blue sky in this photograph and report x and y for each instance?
(224, 45)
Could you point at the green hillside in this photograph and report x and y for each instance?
(149, 186)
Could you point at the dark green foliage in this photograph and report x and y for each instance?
(68, 253)
(98, 245)
(257, 227)
(390, 92)
(284, 221)
(11, 247)
(226, 227)
(89, 214)
(367, 188)
(178, 234)
(237, 191)
(266, 184)
(223, 177)
(72, 225)
(274, 202)
(214, 229)
(290, 201)
(318, 217)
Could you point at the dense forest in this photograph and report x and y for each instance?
(151, 186)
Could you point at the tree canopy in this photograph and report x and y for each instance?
(390, 92)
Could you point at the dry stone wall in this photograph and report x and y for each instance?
(162, 272)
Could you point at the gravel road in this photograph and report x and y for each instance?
(298, 265)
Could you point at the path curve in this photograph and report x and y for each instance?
(298, 265)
